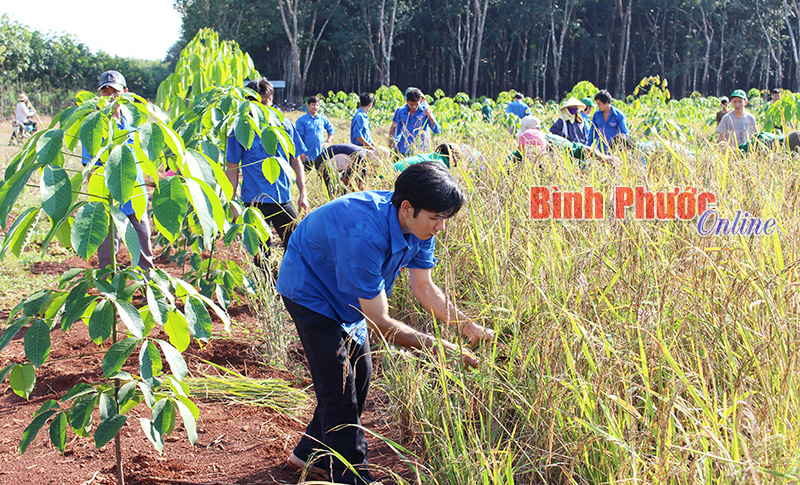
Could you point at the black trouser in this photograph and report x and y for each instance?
(341, 371)
(283, 218)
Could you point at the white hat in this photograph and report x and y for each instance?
(530, 123)
(573, 103)
(22, 97)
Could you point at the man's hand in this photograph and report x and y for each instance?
(428, 111)
(466, 357)
(477, 333)
(302, 203)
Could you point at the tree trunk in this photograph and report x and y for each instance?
(481, 9)
(771, 49)
(707, 27)
(558, 46)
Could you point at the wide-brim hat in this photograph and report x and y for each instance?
(572, 103)
(22, 97)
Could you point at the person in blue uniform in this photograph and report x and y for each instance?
(335, 280)
(359, 128)
(315, 129)
(410, 125)
(607, 123)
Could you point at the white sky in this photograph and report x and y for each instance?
(143, 29)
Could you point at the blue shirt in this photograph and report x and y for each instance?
(412, 130)
(604, 130)
(352, 247)
(359, 127)
(255, 186)
(123, 125)
(518, 108)
(312, 130)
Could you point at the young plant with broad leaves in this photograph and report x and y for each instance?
(126, 309)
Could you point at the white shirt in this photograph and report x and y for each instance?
(23, 112)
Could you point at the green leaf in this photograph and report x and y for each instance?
(177, 330)
(89, 229)
(55, 188)
(117, 355)
(48, 147)
(37, 343)
(223, 296)
(271, 169)
(126, 393)
(93, 131)
(198, 166)
(78, 390)
(127, 234)
(19, 234)
(198, 319)
(269, 139)
(108, 428)
(152, 434)
(102, 321)
(205, 208)
(22, 378)
(81, 413)
(189, 418)
(151, 138)
(77, 304)
(120, 173)
(131, 318)
(150, 364)
(108, 407)
(243, 131)
(33, 429)
(34, 304)
(157, 305)
(11, 190)
(164, 417)
(10, 332)
(169, 207)
(58, 432)
(175, 360)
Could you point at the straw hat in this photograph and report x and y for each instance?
(573, 103)
(22, 97)
(530, 123)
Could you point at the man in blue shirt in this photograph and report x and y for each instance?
(274, 200)
(359, 127)
(608, 122)
(335, 279)
(517, 107)
(112, 84)
(410, 124)
(315, 130)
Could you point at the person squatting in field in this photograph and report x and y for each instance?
(607, 123)
(337, 274)
(533, 142)
(410, 125)
(274, 200)
(347, 162)
(570, 124)
(112, 84)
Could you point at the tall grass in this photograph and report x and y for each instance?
(628, 351)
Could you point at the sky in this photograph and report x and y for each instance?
(146, 29)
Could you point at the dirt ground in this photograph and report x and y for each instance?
(237, 444)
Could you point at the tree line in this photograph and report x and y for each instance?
(482, 47)
(51, 67)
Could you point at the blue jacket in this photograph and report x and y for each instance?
(604, 130)
(518, 108)
(412, 129)
(313, 132)
(359, 127)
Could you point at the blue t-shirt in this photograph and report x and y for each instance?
(312, 130)
(255, 186)
(518, 108)
(359, 127)
(352, 247)
(604, 130)
(412, 130)
(123, 125)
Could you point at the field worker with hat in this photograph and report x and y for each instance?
(24, 110)
(608, 122)
(570, 124)
(410, 125)
(738, 126)
(335, 280)
(723, 102)
(112, 84)
(587, 116)
(486, 111)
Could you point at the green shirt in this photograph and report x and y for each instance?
(422, 157)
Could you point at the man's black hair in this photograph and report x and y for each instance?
(429, 186)
(413, 94)
(262, 86)
(312, 99)
(603, 96)
(519, 96)
(366, 99)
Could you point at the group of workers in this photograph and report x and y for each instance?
(341, 260)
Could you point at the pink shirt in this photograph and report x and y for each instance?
(532, 141)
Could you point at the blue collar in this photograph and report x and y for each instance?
(398, 240)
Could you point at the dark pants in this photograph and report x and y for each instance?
(142, 228)
(341, 370)
(283, 218)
